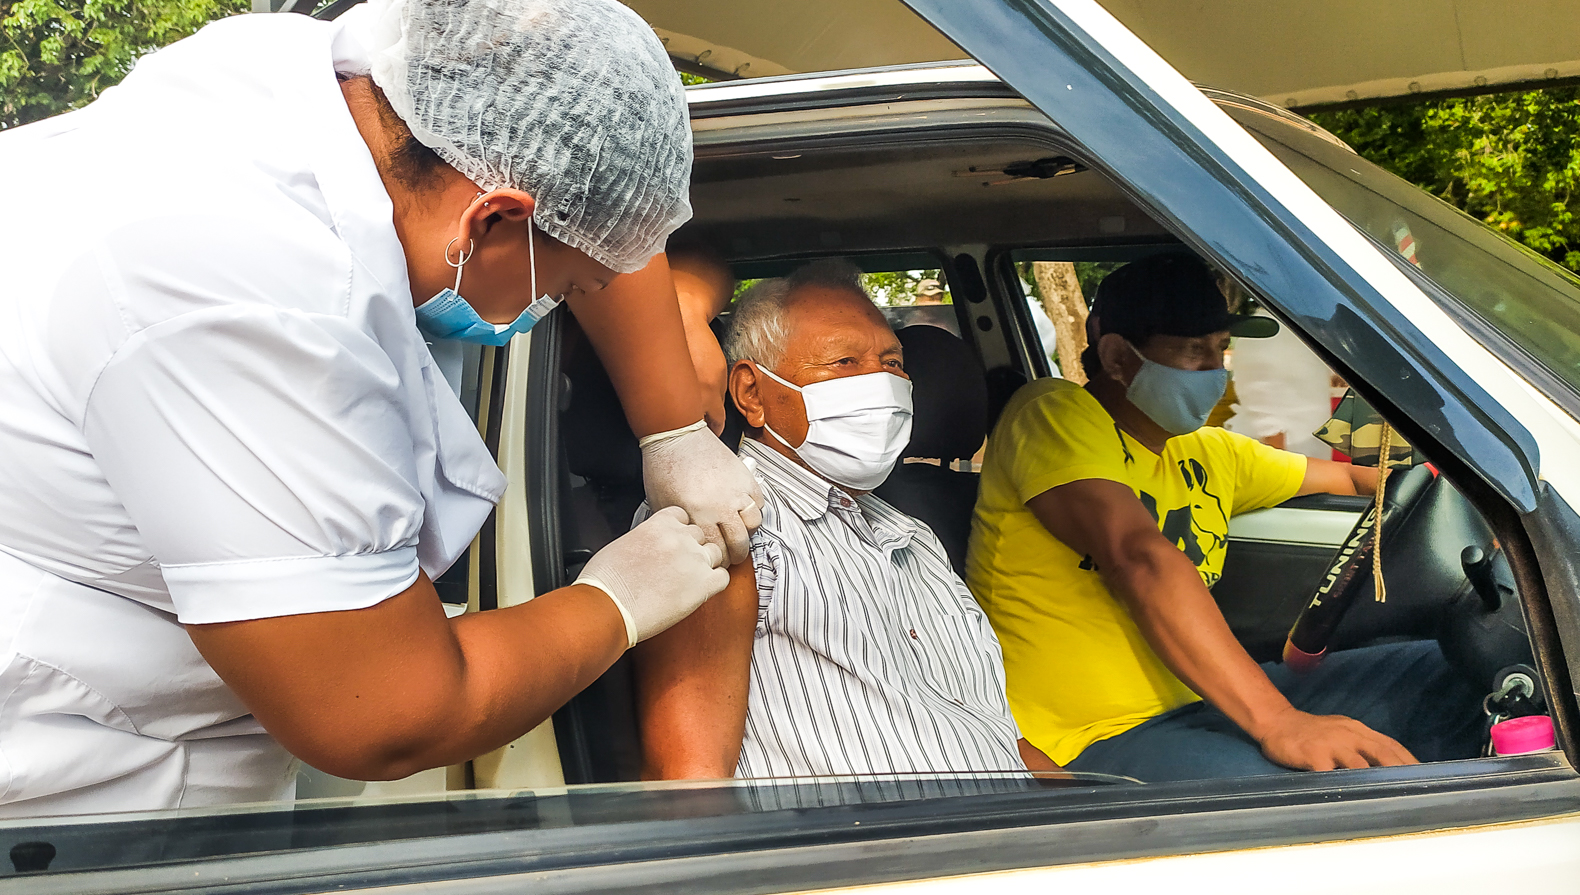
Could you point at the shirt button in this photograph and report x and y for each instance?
(913, 635)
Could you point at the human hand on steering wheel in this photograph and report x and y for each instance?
(1307, 742)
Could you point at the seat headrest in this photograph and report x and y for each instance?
(949, 392)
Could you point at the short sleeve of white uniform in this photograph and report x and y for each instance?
(264, 455)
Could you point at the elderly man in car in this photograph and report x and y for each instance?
(847, 645)
(1102, 521)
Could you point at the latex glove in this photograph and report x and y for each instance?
(657, 573)
(692, 469)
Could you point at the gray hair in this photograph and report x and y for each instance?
(757, 330)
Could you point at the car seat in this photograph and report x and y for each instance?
(600, 739)
(950, 396)
(599, 448)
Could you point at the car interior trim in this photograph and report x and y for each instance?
(494, 365)
(1554, 622)
(852, 86)
(1292, 525)
(543, 463)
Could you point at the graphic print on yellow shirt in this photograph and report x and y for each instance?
(1078, 668)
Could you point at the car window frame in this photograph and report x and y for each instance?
(1449, 776)
(1198, 188)
(839, 843)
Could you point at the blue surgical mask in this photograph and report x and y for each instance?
(1177, 400)
(449, 316)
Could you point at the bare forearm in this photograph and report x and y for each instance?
(1329, 477)
(690, 731)
(1184, 626)
(634, 324)
(383, 692)
(708, 361)
(1035, 759)
(520, 665)
(692, 685)
(1165, 596)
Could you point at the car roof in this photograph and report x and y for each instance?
(1291, 52)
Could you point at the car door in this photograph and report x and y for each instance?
(1145, 128)
(1230, 199)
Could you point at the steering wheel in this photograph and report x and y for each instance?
(1351, 569)
(1452, 583)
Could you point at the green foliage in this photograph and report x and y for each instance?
(897, 289)
(56, 56)
(1091, 273)
(1512, 160)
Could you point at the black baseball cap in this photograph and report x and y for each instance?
(1172, 294)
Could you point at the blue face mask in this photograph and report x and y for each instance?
(449, 316)
(1177, 400)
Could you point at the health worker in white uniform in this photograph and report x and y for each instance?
(230, 467)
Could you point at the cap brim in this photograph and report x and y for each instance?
(1253, 327)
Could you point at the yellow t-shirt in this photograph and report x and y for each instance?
(1078, 668)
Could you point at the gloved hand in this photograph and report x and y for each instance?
(657, 573)
(692, 469)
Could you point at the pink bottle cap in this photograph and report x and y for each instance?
(1300, 661)
(1517, 736)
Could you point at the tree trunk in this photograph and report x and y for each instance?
(1066, 306)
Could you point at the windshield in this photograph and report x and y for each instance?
(1527, 297)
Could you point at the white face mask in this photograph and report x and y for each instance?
(857, 426)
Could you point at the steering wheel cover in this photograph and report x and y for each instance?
(1311, 634)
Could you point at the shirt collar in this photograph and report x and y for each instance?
(810, 496)
(343, 165)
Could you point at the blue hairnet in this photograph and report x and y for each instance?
(572, 101)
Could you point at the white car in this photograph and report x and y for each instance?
(1071, 141)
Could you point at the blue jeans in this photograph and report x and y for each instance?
(1403, 690)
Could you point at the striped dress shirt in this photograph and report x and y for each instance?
(870, 654)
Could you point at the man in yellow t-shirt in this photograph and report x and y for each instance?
(1102, 521)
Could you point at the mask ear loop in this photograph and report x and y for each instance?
(532, 261)
(775, 377)
(460, 263)
(1137, 352)
(789, 385)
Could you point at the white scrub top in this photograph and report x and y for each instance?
(214, 406)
